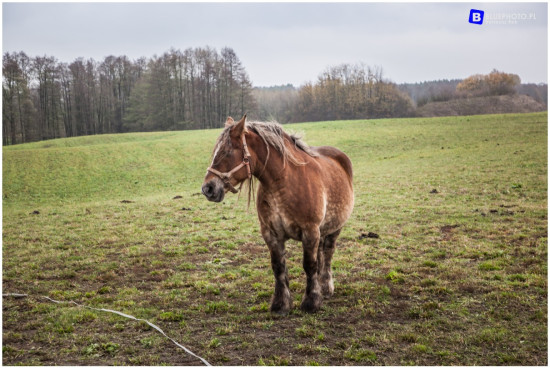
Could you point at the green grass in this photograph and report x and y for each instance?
(458, 275)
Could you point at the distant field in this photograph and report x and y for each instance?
(458, 275)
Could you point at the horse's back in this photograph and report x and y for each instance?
(338, 156)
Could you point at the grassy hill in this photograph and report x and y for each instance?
(92, 168)
(457, 276)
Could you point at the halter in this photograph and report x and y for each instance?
(226, 176)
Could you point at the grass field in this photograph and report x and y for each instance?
(457, 276)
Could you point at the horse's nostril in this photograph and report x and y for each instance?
(207, 189)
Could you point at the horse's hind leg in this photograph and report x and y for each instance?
(281, 302)
(312, 299)
(326, 251)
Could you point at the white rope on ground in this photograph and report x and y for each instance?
(14, 295)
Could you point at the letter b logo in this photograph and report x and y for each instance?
(476, 16)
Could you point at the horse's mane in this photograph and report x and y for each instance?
(274, 136)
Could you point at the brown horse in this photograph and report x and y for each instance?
(305, 193)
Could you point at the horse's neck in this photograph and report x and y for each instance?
(269, 170)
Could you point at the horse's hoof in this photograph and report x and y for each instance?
(312, 303)
(328, 295)
(282, 309)
(328, 291)
(327, 285)
(310, 308)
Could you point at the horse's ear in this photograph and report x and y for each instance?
(229, 121)
(238, 129)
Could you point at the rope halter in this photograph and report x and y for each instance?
(226, 176)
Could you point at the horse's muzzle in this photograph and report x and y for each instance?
(213, 190)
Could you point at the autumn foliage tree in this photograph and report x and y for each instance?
(493, 84)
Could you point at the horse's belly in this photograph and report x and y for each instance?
(287, 224)
(279, 221)
(288, 218)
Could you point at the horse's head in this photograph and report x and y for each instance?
(230, 162)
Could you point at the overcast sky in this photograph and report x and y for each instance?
(280, 43)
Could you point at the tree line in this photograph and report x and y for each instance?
(356, 91)
(199, 87)
(45, 99)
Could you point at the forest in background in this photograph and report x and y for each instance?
(192, 89)
(198, 88)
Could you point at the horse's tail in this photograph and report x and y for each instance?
(346, 164)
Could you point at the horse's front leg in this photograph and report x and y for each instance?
(312, 298)
(282, 302)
